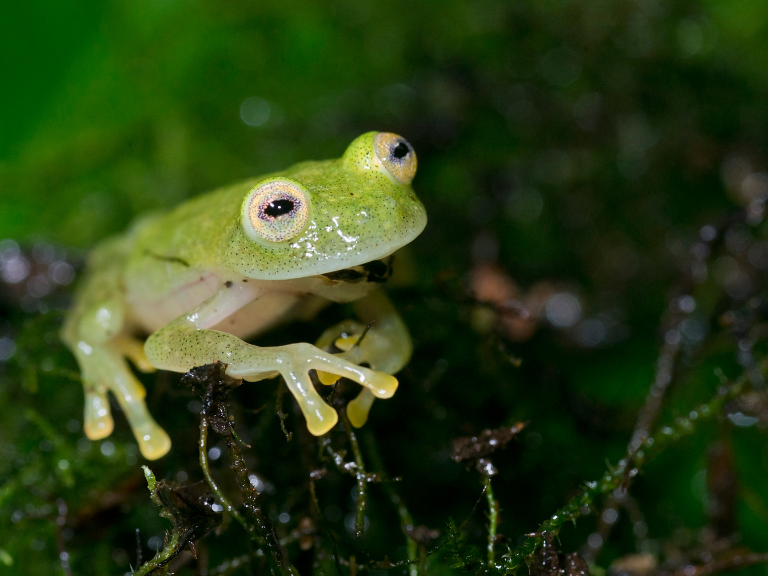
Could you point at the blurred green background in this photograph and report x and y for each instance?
(578, 146)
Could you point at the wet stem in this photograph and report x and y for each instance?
(493, 519)
(281, 389)
(413, 550)
(162, 557)
(360, 475)
(203, 448)
(319, 515)
(261, 531)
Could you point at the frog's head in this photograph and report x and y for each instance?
(322, 217)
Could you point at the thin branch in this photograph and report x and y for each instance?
(314, 475)
(735, 562)
(662, 379)
(406, 520)
(360, 475)
(260, 530)
(493, 519)
(203, 451)
(281, 389)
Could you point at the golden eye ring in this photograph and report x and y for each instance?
(396, 156)
(275, 210)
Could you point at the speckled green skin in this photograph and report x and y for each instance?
(195, 280)
(358, 214)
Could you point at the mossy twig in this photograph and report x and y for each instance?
(621, 475)
(215, 409)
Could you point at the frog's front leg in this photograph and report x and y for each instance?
(188, 342)
(380, 339)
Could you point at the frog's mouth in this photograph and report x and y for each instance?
(376, 271)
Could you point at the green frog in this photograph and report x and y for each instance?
(226, 266)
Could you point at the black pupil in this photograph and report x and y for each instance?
(400, 151)
(278, 208)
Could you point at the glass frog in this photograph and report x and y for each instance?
(230, 264)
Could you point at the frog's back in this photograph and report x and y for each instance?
(183, 242)
(193, 230)
(103, 280)
(174, 263)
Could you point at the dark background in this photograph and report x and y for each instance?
(575, 148)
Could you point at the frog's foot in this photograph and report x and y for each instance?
(358, 343)
(133, 349)
(97, 421)
(358, 409)
(349, 353)
(153, 440)
(294, 363)
(344, 336)
(105, 370)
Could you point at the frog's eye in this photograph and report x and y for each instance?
(396, 155)
(276, 210)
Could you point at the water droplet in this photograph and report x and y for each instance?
(154, 543)
(690, 38)
(610, 515)
(61, 273)
(595, 541)
(563, 310)
(255, 111)
(742, 420)
(7, 349)
(561, 66)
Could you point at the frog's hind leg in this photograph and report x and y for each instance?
(357, 409)
(381, 340)
(95, 331)
(97, 337)
(105, 369)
